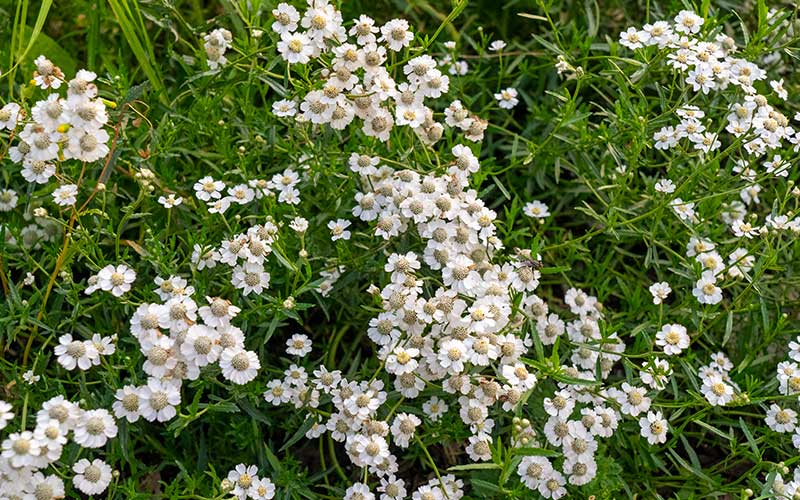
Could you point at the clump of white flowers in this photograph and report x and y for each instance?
(759, 135)
(216, 44)
(356, 81)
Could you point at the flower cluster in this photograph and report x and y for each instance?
(358, 80)
(26, 453)
(711, 66)
(216, 44)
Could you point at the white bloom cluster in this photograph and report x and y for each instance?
(61, 128)
(282, 185)
(356, 81)
(711, 66)
(26, 453)
(460, 336)
(243, 482)
(116, 280)
(216, 44)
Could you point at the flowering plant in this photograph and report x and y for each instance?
(319, 251)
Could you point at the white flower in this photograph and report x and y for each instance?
(403, 428)
(170, 200)
(299, 225)
(552, 486)
(533, 470)
(295, 48)
(284, 108)
(21, 449)
(706, 290)
(665, 186)
(86, 145)
(683, 210)
(250, 277)
(396, 34)
(716, 391)
(497, 45)
(65, 195)
(116, 279)
(75, 353)
(633, 38)
(242, 478)
(6, 415)
(8, 200)
(653, 427)
(239, 365)
(338, 229)
(262, 489)
(536, 209)
(660, 291)
(688, 22)
(92, 478)
(207, 188)
(286, 18)
(434, 408)
(37, 171)
(358, 491)
(777, 86)
(781, 419)
(128, 403)
(158, 399)
(298, 345)
(507, 98)
(9, 114)
(673, 339)
(94, 428)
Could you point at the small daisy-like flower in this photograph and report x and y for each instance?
(706, 290)
(6, 415)
(8, 200)
(660, 291)
(298, 345)
(9, 114)
(239, 365)
(688, 22)
(128, 403)
(497, 45)
(242, 478)
(359, 491)
(673, 339)
(295, 48)
(75, 353)
(116, 279)
(507, 98)
(37, 171)
(716, 391)
(65, 195)
(21, 449)
(396, 34)
(284, 108)
(250, 277)
(653, 427)
(536, 209)
(434, 408)
(781, 419)
(403, 428)
(92, 478)
(261, 489)
(339, 229)
(170, 201)
(665, 186)
(158, 400)
(95, 428)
